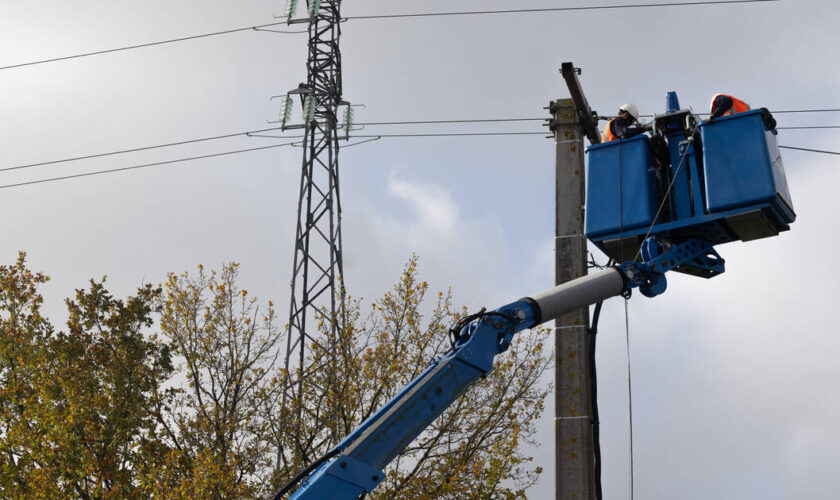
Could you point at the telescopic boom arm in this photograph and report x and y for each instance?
(355, 466)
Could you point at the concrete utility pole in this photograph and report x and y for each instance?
(574, 422)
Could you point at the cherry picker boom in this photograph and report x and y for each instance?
(725, 183)
(355, 465)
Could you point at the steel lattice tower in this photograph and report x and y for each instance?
(318, 267)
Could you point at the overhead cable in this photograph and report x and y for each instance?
(554, 9)
(150, 44)
(144, 148)
(443, 134)
(167, 162)
(808, 127)
(386, 16)
(453, 134)
(629, 391)
(835, 110)
(368, 138)
(250, 133)
(372, 139)
(422, 122)
(145, 165)
(807, 111)
(281, 31)
(255, 133)
(812, 150)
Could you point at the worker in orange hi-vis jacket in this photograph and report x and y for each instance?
(625, 125)
(725, 105)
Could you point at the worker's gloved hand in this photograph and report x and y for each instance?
(709, 119)
(648, 126)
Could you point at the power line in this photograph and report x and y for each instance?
(454, 134)
(483, 120)
(808, 128)
(368, 138)
(812, 150)
(144, 148)
(475, 134)
(360, 142)
(422, 122)
(250, 133)
(555, 9)
(282, 31)
(807, 111)
(542, 119)
(146, 165)
(150, 44)
(255, 133)
(167, 162)
(261, 27)
(784, 111)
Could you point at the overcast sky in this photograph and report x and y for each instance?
(734, 379)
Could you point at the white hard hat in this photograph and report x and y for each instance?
(714, 98)
(632, 109)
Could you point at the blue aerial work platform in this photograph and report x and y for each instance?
(667, 198)
(717, 181)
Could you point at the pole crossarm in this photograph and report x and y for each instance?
(588, 119)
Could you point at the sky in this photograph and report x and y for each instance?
(733, 379)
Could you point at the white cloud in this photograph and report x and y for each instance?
(433, 206)
(469, 254)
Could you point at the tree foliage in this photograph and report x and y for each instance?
(227, 348)
(75, 405)
(197, 405)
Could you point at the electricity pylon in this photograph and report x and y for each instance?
(317, 293)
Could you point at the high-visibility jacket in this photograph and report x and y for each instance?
(738, 106)
(608, 135)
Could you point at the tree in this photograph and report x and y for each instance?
(75, 405)
(112, 408)
(227, 348)
(472, 451)
(24, 332)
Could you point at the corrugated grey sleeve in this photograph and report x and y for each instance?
(578, 293)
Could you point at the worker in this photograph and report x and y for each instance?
(725, 105)
(625, 125)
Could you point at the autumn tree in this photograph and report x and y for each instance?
(471, 451)
(22, 354)
(197, 406)
(226, 347)
(75, 404)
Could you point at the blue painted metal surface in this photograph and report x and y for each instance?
(719, 195)
(743, 163)
(622, 186)
(672, 102)
(720, 182)
(380, 438)
(683, 165)
(362, 455)
(693, 256)
(339, 479)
